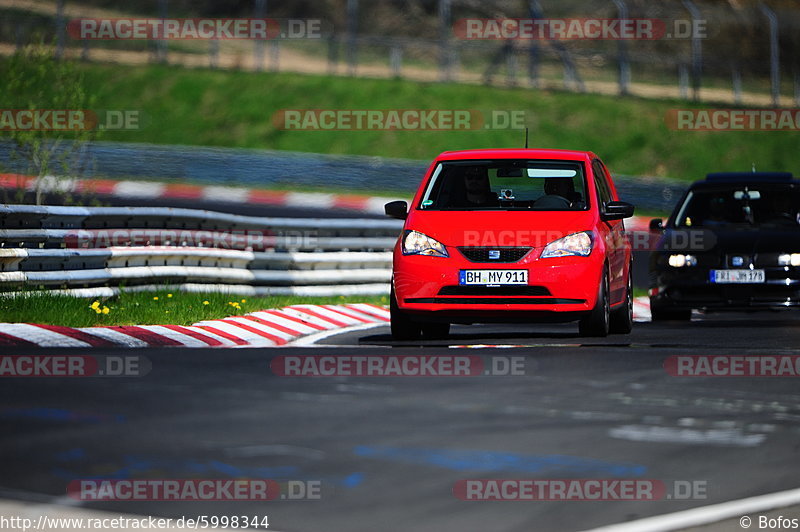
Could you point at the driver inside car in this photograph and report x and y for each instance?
(478, 188)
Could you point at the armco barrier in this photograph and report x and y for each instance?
(95, 250)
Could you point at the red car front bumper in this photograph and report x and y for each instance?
(558, 289)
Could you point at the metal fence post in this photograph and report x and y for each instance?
(396, 59)
(163, 6)
(511, 66)
(737, 85)
(797, 89)
(444, 40)
(683, 81)
(59, 29)
(622, 52)
(697, 49)
(533, 50)
(274, 55)
(352, 37)
(774, 57)
(213, 53)
(259, 11)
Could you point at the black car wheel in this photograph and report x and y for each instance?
(596, 323)
(622, 318)
(403, 327)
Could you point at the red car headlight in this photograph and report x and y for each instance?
(576, 244)
(416, 243)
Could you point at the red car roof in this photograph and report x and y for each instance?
(566, 155)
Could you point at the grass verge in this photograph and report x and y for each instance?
(148, 308)
(236, 109)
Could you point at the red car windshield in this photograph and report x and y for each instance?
(507, 185)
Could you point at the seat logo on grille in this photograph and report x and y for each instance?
(737, 261)
(494, 254)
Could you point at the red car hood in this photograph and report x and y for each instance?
(499, 228)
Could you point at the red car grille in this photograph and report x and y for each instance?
(494, 255)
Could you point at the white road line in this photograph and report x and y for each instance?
(706, 515)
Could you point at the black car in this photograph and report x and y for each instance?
(732, 243)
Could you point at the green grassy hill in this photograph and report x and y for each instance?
(235, 109)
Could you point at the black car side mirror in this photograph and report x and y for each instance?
(617, 210)
(396, 209)
(656, 225)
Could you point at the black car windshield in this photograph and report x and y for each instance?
(741, 206)
(507, 185)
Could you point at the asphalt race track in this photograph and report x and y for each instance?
(387, 451)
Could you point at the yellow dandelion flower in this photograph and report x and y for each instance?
(155, 298)
(106, 310)
(169, 295)
(95, 305)
(244, 301)
(206, 303)
(98, 311)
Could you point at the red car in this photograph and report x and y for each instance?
(512, 236)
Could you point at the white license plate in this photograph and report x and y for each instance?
(737, 276)
(492, 277)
